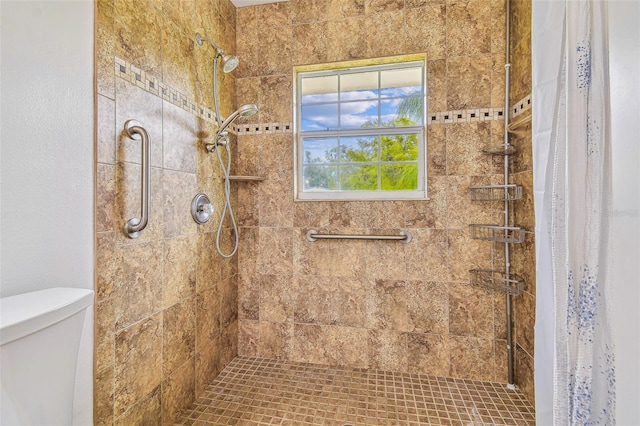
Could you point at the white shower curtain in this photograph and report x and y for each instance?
(572, 186)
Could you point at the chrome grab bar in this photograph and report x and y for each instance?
(134, 130)
(405, 236)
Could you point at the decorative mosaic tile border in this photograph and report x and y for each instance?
(151, 84)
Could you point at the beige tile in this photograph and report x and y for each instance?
(428, 354)
(383, 35)
(104, 352)
(179, 129)
(426, 28)
(207, 318)
(179, 335)
(465, 142)
(470, 311)
(105, 48)
(377, 6)
(310, 43)
(106, 265)
(276, 98)
(103, 396)
(277, 298)
(228, 302)
(310, 10)
(106, 198)
(471, 358)
(275, 340)
(346, 40)
(428, 255)
(138, 28)
(147, 410)
(469, 81)
(274, 15)
(106, 120)
(178, 391)
(469, 27)
(274, 45)
(138, 289)
(275, 251)
(468, 254)
(248, 337)
(178, 49)
(138, 367)
(387, 305)
(178, 189)
(180, 263)
(427, 307)
(388, 350)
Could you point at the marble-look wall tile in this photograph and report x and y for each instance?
(179, 335)
(178, 391)
(427, 307)
(470, 311)
(306, 52)
(309, 10)
(524, 378)
(138, 26)
(471, 357)
(105, 197)
(468, 253)
(277, 298)
(428, 354)
(346, 41)
(383, 36)
(428, 255)
(138, 289)
(426, 29)
(248, 337)
(377, 6)
(105, 48)
(106, 132)
(103, 396)
(436, 151)
(179, 138)
(136, 346)
(468, 27)
(465, 142)
(180, 263)
(177, 50)
(178, 189)
(145, 411)
(387, 306)
(275, 251)
(106, 257)
(104, 330)
(275, 340)
(469, 81)
(388, 350)
(330, 345)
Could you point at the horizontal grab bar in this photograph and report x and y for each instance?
(312, 235)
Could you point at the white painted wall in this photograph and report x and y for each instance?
(624, 61)
(46, 157)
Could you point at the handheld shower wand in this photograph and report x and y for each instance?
(229, 63)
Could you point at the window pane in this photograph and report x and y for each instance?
(320, 178)
(399, 177)
(399, 147)
(359, 149)
(319, 150)
(356, 115)
(319, 117)
(319, 89)
(401, 82)
(359, 178)
(359, 86)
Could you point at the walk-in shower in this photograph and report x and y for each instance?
(221, 138)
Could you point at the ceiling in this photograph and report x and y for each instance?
(242, 3)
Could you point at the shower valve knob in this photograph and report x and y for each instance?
(201, 208)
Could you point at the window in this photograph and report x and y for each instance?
(360, 130)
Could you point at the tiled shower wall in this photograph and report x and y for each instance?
(402, 307)
(166, 303)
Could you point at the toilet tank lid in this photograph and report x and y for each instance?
(27, 313)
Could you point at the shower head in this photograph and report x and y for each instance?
(246, 110)
(229, 62)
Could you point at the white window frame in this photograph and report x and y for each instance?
(420, 130)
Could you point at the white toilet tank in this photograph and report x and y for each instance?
(39, 341)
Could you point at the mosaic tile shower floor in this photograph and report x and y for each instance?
(254, 391)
